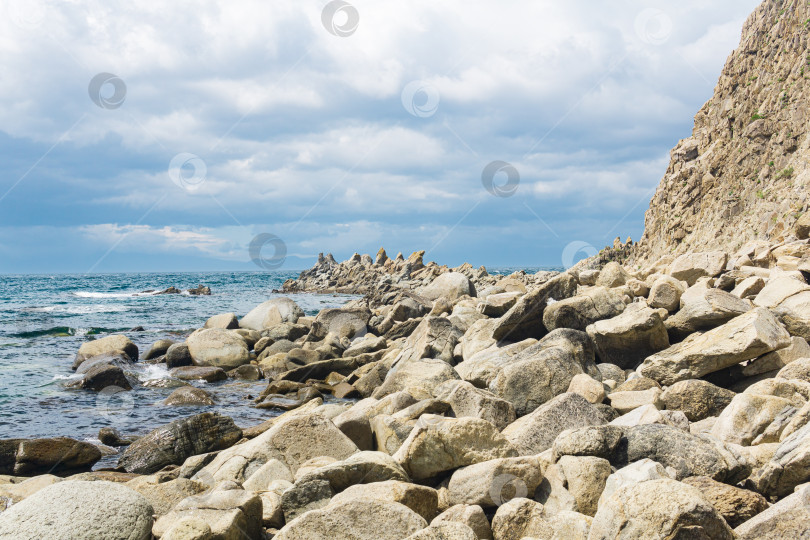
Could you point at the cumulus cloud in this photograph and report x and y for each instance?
(309, 134)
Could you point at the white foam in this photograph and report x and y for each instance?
(152, 372)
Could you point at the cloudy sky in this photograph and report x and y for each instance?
(169, 135)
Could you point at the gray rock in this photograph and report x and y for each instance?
(79, 510)
(189, 395)
(491, 483)
(178, 355)
(229, 513)
(586, 308)
(104, 345)
(525, 319)
(194, 373)
(535, 432)
(789, 467)
(465, 400)
(705, 311)
(270, 313)
(173, 443)
(598, 441)
(157, 349)
(38, 456)
(626, 340)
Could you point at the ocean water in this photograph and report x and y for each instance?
(44, 319)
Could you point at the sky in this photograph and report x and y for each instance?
(248, 135)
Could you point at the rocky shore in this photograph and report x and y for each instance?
(668, 401)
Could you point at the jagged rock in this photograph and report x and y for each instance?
(491, 483)
(649, 414)
(435, 337)
(749, 287)
(189, 395)
(697, 399)
(743, 338)
(469, 515)
(173, 443)
(439, 444)
(215, 347)
(790, 301)
(58, 455)
(481, 368)
(465, 400)
(734, 504)
(451, 285)
(108, 344)
(789, 467)
(586, 308)
(778, 359)
(690, 267)
(631, 337)
(271, 313)
(535, 432)
(658, 509)
(749, 416)
(495, 305)
(79, 510)
(708, 310)
(367, 519)
(350, 322)
(525, 319)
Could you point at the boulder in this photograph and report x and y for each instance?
(535, 432)
(544, 370)
(173, 443)
(39, 456)
(650, 414)
(642, 470)
(270, 313)
(599, 441)
(691, 266)
(101, 376)
(225, 321)
(658, 509)
(163, 496)
(438, 445)
(734, 504)
(465, 400)
(108, 344)
(178, 355)
(495, 305)
(216, 347)
(666, 293)
(434, 337)
(778, 359)
(588, 387)
(697, 399)
(421, 499)
(706, 311)
(365, 519)
(469, 515)
(417, 377)
(631, 337)
(789, 467)
(451, 285)
(229, 513)
(349, 322)
(586, 308)
(491, 483)
(790, 524)
(194, 373)
(749, 416)
(743, 338)
(189, 396)
(445, 531)
(521, 518)
(585, 478)
(481, 368)
(525, 319)
(625, 402)
(157, 349)
(79, 510)
(613, 275)
(778, 518)
(802, 226)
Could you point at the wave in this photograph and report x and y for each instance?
(63, 331)
(80, 310)
(93, 294)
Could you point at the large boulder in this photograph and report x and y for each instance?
(658, 510)
(705, 311)
(417, 377)
(173, 443)
(163, 496)
(481, 368)
(271, 313)
(445, 531)
(734, 504)
(437, 445)
(626, 340)
(348, 322)
(697, 399)
(491, 483)
(586, 308)
(535, 432)
(692, 266)
(743, 338)
(229, 514)
(780, 518)
(466, 400)
(358, 519)
(434, 337)
(225, 321)
(421, 499)
(545, 370)
(471, 515)
(450, 285)
(790, 299)
(79, 510)
(666, 293)
(39, 456)
(108, 344)
(521, 518)
(789, 467)
(525, 319)
(215, 347)
(100, 376)
(753, 418)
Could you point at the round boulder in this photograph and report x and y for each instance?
(217, 348)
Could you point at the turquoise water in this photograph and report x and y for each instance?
(45, 318)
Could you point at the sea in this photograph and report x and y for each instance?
(44, 319)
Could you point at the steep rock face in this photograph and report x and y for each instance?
(743, 174)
